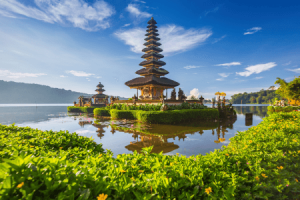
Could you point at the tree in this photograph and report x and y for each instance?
(293, 89)
(282, 90)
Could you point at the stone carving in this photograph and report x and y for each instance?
(181, 96)
(201, 100)
(173, 94)
(164, 107)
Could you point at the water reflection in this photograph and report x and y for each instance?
(260, 111)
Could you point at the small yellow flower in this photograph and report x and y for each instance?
(250, 141)
(145, 159)
(31, 146)
(132, 178)
(263, 175)
(102, 196)
(141, 171)
(133, 167)
(299, 151)
(60, 147)
(208, 190)
(280, 167)
(71, 155)
(48, 137)
(100, 155)
(171, 164)
(296, 180)
(177, 154)
(227, 154)
(122, 171)
(257, 178)
(20, 185)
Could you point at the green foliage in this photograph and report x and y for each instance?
(155, 107)
(293, 89)
(101, 112)
(166, 117)
(282, 90)
(282, 109)
(260, 163)
(261, 97)
(81, 109)
(129, 98)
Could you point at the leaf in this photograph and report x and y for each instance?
(84, 194)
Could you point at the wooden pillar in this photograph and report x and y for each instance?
(137, 93)
(166, 93)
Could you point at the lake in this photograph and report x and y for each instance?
(125, 136)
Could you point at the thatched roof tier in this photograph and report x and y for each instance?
(100, 85)
(99, 96)
(147, 34)
(154, 48)
(152, 42)
(151, 26)
(152, 70)
(99, 90)
(152, 37)
(153, 62)
(151, 79)
(152, 21)
(156, 55)
(151, 30)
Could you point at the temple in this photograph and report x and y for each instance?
(100, 98)
(152, 84)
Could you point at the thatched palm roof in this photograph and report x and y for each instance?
(151, 80)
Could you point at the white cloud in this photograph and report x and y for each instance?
(139, 1)
(194, 92)
(195, 73)
(224, 75)
(62, 76)
(218, 39)
(256, 69)
(190, 67)
(79, 73)
(132, 9)
(126, 25)
(173, 38)
(220, 79)
(260, 77)
(212, 10)
(76, 12)
(9, 74)
(286, 64)
(252, 30)
(99, 77)
(229, 64)
(295, 70)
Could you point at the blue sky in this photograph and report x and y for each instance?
(209, 45)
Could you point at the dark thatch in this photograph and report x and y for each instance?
(152, 42)
(151, 79)
(151, 26)
(100, 85)
(99, 96)
(154, 48)
(152, 61)
(152, 21)
(152, 70)
(99, 90)
(151, 30)
(152, 37)
(156, 55)
(147, 34)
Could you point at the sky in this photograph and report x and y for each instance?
(229, 46)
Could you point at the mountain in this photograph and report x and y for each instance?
(19, 93)
(261, 97)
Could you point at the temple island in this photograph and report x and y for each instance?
(152, 84)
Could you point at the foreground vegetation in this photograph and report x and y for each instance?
(260, 163)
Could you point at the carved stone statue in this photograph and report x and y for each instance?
(112, 99)
(173, 94)
(181, 96)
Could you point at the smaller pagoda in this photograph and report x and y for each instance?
(100, 98)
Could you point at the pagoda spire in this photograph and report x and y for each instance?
(152, 84)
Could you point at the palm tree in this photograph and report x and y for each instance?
(282, 90)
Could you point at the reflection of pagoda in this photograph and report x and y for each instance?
(159, 144)
(82, 123)
(152, 85)
(100, 129)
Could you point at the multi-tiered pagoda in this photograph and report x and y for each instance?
(152, 84)
(100, 98)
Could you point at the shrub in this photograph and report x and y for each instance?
(81, 109)
(101, 112)
(271, 108)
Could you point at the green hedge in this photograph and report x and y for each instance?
(282, 108)
(260, 163)
(101, 112)
(166, 117)
(81, 109)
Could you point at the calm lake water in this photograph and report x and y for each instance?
(121, 136)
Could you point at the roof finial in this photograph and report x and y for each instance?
(151, 17)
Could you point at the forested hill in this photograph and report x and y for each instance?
(263, 96)
(13, 92)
